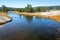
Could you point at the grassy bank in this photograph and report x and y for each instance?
(4, 18)
(28, 14)
(39, 14)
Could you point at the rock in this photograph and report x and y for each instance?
(4, 19)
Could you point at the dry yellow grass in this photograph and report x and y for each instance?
(56, 17)
(5, 14)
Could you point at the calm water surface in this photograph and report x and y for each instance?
(29, 28)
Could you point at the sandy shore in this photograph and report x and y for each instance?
(4, 18)
(54, 15)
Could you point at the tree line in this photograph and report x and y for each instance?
(30, 9)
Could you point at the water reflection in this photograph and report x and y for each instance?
(29, 28)
(29, 18)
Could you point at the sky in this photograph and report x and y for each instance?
(23, 3)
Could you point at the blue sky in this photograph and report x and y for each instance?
(23, 3)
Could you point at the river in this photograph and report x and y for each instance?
(29, 28)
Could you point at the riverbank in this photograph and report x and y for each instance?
(4, 18)
(54, 15)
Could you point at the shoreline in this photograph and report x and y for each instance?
(55, 16)
(4, 18)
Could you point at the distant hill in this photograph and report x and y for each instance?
(54, 7)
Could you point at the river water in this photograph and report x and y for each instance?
(29, 28)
